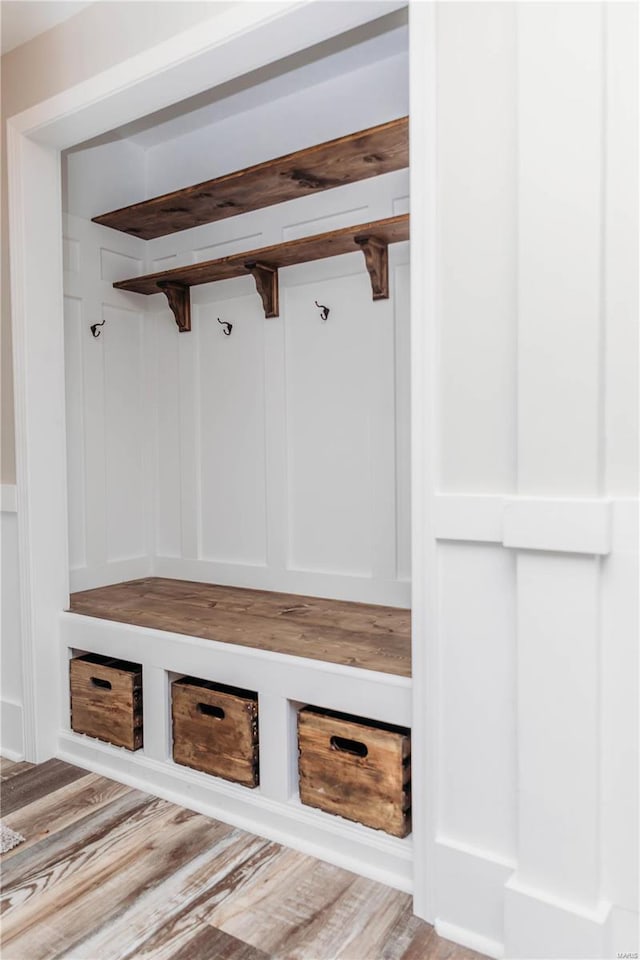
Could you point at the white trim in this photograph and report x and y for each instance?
(542, 925)
(11, 727)
(9, 498)
(565, 525)
(116, 571)
(312, 583)
(228, 45)
(470, 517)
(557, 524)
(379, 696)
(598, 914)
(424, 447)
(469, 939)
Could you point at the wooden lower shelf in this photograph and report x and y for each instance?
(371, 238)
(360, 635)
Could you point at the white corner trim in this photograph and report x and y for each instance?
(598, 914)
(11, 727)
(9, 498)
(469, 939)
(469, 517)
(569, 525)
(565, 525)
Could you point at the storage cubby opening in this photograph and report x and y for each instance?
(219, 687)
(349, 718)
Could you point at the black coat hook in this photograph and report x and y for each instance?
(226, 327)
(324, 311)
(94, 328)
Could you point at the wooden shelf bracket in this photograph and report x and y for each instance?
(267, 285)
(179, 297)
(376, 258)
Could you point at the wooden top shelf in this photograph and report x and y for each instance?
(318, 247)
(357, 156)
(334, 631)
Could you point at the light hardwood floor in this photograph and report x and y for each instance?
(111, 873)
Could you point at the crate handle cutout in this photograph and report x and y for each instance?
(99, 682)
(345, 745)
(211, 711)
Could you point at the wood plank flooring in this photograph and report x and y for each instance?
(111, 873)
(336, 631)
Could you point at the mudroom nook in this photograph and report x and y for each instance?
(238, 411)
(320, 459)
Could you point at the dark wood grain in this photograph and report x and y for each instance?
(357, 156)
(35, 783)
(212, 944)
(318, 247)
(361, 635)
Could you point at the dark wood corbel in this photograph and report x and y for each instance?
(376, 258)
(179, 297)
(266, 279)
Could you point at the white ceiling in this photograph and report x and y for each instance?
(22, 20)
(372, 43)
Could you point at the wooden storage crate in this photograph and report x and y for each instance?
(358, 769)
(106, 699)
(215, 729)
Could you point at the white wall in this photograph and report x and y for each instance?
(537, 478)
(277, 457)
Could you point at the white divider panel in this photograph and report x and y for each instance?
(535, 638)
(229, 410)
(560, 151)
(476, 192)
(478, 712)
(164, 356)
(108, 440)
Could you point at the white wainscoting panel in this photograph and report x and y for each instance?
(111, 495)
(75, 331)
(282, 451)
(229, 412)
(124, 427)
(477, 797)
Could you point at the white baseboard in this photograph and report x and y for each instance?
(469, 939)
(117, 571)
(624, 935)
(393, 593)
(351, 846)
(470, 895)
(538, 924)
(11, 730)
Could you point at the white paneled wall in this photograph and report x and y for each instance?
(277, 457)
(108, 449)
(282, 450)
(535, 508)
